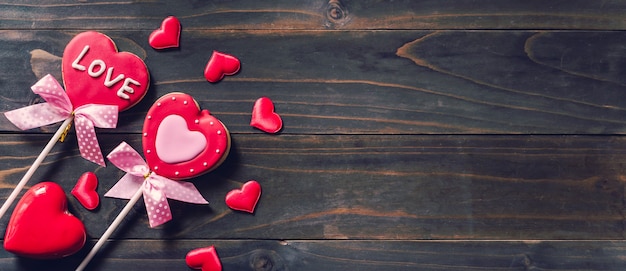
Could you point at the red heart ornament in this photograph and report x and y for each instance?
(219, 65)
(264, 117)
(180, 141)
(167, 36)
(85, 191)
(205, 259)
(94, 72)
(41, 226)
(246, 198)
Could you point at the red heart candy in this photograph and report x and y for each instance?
(85, 190)
(42, 227)
(219, 65)
(205, 258)
(94, 72)
(264, 117)
(246, 198)
(180, 141)
(167, 36)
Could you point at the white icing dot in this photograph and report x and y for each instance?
(156, 168)
(211, 123)
(217, 151)
(185, 102)
(205, 164)
(145, 134)
(148, 151)
(176, 173)
(158, 104)
(149, 117)
(196, 121)
(173, 98)
(219, 132)
(191, 170)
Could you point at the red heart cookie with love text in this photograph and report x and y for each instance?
(41, 226)
(94, 72)
(205, 259)
(264, 117)
(180, 141)
(85, 191)
(219, 65)
(167, 36)
(246, 198)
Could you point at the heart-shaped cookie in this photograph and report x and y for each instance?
(85, 191)
(42, 227)
(219, 65)
(264, 117)
(168, 36)
(246, 198)
(94, 72)
(181, 141)
(205, 259)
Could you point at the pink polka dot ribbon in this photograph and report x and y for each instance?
(58, 107)
(156, 189)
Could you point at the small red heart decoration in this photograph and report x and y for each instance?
(167, 36)
(205, 259)
(85, 191)
(42, 227)
(94, 72)
(219, 65)
(264, 117)
(246, 198)
(181, 141)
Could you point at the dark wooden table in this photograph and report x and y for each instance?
(418, 135)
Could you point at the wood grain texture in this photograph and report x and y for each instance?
(407, 82)
(305, 255)
(318, 14)
(374, 187)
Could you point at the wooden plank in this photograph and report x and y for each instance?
(348, 255)
(369, 82)
(372, 187)
(318, 15)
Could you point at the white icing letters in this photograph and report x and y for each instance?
(75, 64)
(101, 68)
(97, 68)
(126, 88)
(107, 80)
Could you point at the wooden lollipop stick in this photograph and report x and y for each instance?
(34, 166)
(105, 236)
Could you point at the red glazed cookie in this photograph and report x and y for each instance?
(181, 141)
(41, 226)
(94, 72)
(168, 36)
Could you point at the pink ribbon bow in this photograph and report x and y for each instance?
(58, 107)
(156, 189)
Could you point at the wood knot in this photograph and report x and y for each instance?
(336, 14)
(266, 260)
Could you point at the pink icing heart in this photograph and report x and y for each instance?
(175, 143)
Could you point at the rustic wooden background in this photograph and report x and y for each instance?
(418, 135)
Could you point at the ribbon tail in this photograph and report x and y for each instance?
(87, 141)
(126, 187)
(156, 205)
(36, 115)
(183, 191)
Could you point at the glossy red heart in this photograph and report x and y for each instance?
(181, 141)
(246, 198)
(205, 259)
(85, 191)
(219, 65)
(167, 36)
(94, 72)
(264, 117)
(41, 226)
